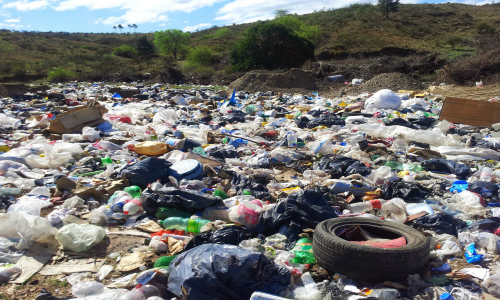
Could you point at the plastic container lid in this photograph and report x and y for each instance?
(446, 296)
(186, 169)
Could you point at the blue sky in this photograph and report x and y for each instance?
(153, 15)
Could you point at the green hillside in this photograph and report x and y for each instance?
(356, 31)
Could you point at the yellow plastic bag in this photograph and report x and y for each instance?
(150, 148)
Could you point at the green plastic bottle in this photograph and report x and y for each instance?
(106, 161)
(394, 165)
(220, 193)
(302, 252)
(164, 261)
(189, 225)
(134, 191)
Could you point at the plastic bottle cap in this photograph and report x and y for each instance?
(446, 296)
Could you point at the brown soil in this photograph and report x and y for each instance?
(292, 81)
(392, 81)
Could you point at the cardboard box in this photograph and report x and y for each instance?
(470, 112)
(74, 120)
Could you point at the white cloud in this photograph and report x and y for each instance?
(146, 11)
(195, 27)
(4, 25)
(244, 11)
(163, 24)
(13, 20)
(24, 5)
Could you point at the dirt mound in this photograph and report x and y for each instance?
(294, 80)
(392, 81)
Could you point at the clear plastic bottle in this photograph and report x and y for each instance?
(132, 207)
(486, 174)
(292, 139)
(362, 207)
(189, 225)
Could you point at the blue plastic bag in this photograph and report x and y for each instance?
(471, 254)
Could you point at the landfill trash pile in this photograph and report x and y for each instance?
(193, 193)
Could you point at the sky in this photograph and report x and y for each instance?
(154, 15)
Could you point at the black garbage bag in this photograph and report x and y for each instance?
(297, 212)
(44, 295)
(358, 168)
(399, 122)
(326, 120)
(146, 171)
(422, 122)
(302, 122)
(491, 224)
(447, 166)
(440, 223)
(234, 117)
(487, 190)
(336, 167)
(408, 191)
(224, 272)
(242, 182)
(230, 235)
(223, 154)
(178, 199)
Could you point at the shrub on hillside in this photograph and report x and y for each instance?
(125, 51)
(201, 56)
(59, 75)
(271, 46)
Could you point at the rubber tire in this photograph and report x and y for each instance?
(366, 263)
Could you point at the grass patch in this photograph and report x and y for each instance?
(57, 283)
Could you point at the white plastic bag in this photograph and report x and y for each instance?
(466, 202)
(394, 209)
(88, 288)
(26, 228)
(90, 134)
(80, 238)
(383, 99)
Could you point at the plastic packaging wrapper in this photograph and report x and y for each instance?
(178, 199)
(298, 211)
(8, 273)
(150, 148)
(230, 235)
(80, 238)
(492, 285)
(146, 171)
(224, 272)
(431, 137)
(26, 228)
(471, 254)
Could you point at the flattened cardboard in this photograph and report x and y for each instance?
(75, 119)
(470, 112)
